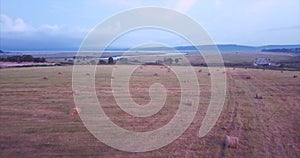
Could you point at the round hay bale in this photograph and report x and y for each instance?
(169, 69)
(231, 142)
(75, 111)
(208, 74)
(258, 96)
(189, 102)
(45, 78)
(59, 73)
(75, 92)
(186, 81)
(155, 74)
(295, 76)
(248, 77)
(200, 70)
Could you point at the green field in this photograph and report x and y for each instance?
(36, 121)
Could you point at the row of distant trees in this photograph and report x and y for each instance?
(168, 61)
(94, 62)
(23, 58)
(285, 50)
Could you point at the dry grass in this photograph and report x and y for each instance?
(35, 120)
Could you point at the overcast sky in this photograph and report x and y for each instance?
(63, 24)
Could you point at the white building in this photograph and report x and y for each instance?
(261, 62)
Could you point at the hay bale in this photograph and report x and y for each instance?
(161, 67)
(75, 92)
(295, 76)
(231, 142)
(186, 81)
(169, 69)
(59, 73)
(248, 77)
(208, 74)
(75, 111)
(258, 96)
(45, 78)
(189, 102)
(200, 70)
(155, 74)
(88, 74)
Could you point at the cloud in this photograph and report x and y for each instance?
(179, 5)
(18, 26)
(128, 3)
(184, 5)
(10, 25)
(50, 28)
(16, 34)
(217, 4)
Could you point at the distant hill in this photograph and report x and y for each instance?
(285, 50)
(223, 48)
(279, 47)
(241, 48)
(3, 52)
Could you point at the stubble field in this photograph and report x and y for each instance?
(36, 121)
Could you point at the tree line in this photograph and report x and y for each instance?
(22, 58)
(285, 50)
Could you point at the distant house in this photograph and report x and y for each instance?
(261, 62)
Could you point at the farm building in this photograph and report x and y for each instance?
(261, 62)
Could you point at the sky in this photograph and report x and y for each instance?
(63, 24)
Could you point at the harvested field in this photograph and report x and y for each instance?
(36, 121)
